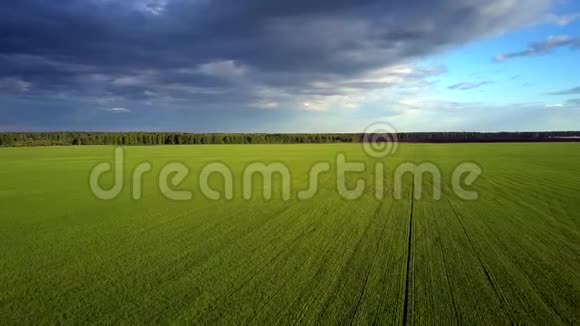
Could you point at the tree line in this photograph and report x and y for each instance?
(172, 138)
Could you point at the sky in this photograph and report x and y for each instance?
(289, 66)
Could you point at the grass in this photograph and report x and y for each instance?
(513, 255)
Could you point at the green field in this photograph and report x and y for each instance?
(513, 255)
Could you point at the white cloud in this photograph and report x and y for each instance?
(133, 80)
(373, 86)
(154, 7)
(315, 106)
(563, 20)
(227, 69)
(330, 92)
(14, 84)
(118, 110)
(151, 7)
(266, 105)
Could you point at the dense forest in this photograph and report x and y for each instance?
(169, 138)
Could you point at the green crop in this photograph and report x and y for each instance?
(511, 256)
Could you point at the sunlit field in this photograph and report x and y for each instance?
(511, 255)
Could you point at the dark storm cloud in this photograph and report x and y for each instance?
(232, 52)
